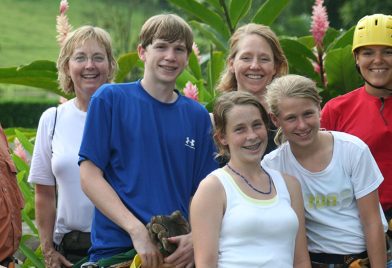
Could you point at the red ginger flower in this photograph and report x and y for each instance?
(19, 151)
(191, 91)
(63, 7)
(62, 25)
(320, 22)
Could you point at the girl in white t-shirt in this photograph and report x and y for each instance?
(244, 215)
(338, 175)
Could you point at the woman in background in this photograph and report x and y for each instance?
(255, 59)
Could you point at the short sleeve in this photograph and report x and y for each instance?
(366, 176)
(95, 144)
(41, 168)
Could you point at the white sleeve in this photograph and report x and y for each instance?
(41, 168)
(365, 176)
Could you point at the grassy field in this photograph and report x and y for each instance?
(28, 28)
(28, 31)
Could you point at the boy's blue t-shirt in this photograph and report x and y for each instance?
(153, 154)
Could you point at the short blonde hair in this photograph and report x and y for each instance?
(223, 105)
(290, 86)
(228, 81)
(168, 27)
(75, 39)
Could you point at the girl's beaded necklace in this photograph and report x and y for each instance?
(249, 184)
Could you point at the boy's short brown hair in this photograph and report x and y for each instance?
(168, 27)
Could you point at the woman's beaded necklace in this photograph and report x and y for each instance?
(249, 184)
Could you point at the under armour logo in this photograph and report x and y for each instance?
(190, 143)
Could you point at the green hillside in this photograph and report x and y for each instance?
(28, 28)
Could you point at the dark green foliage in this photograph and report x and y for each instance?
(23, 113)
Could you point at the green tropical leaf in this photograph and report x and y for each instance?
(330, 36)
(215, 67)
(29, 222)
(20, 163)
(292, 46)
(307, 41)
(299, 56)
(30, 254)
(346, 38)
(206, 15)
(27, 145)
(238, 9)
(40, 74)
(184, 78)
(126, 63)
(340, 70)
(302, 66)
(28, 132)
(194, 65)
(269, 11)
(210, 34)
(216, 4)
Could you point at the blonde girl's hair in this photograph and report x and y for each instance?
(223, 105)
(228, 81)
(290, 86)
(168, 27)
(76, 39)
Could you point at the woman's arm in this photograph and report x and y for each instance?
(207, 210)
(301, 254)
(369, 212)
(45, 213)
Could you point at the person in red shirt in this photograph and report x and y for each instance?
(366, 112)
(11, 203)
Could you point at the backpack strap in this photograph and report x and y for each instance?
(51, 147)
(54, 127)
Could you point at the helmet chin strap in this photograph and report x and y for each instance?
(367, 82)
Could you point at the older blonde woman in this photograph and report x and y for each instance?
(85, 63)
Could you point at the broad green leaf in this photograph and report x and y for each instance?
(20, 163)
(301, 65)
(184, 78)
(238, 9)
(40, 74)
(204, 95)
(126, 63)
(215, 67)
(330, 36)
(29, 147)
(215, 3)
(340, 69)
(210, 34)
(25, 187)
(299, 57)
(269, 11)
(206, 15)
(292, 46)
(28, 132)
(194, 65)
(307, 41)
(346, 38)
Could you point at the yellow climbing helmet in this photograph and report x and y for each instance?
(373, 30)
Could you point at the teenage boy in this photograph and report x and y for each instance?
(145, 149)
